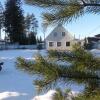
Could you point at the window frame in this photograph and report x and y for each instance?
(67, 44)
(63, 34)
(51, 44)
(58, 44)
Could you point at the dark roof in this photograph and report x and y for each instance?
(93, 39)
(98, 35)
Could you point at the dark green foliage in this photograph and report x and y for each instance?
(39, 43)
(89, 97)
(39, 46)
(31, 24)
(31, 38)
(27, 23)
(87, 46)
(39, 40)
(62, 95)
(62, 11)
(84, 70)
(14, 21)
(27, 64)
(1, 18)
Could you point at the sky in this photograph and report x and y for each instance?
(87, 25)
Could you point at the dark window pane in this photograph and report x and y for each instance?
(63, 33)
(50, 44)
(67, 43)
(58, 44)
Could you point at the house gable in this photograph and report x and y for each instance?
(59, 34)
(59, 39)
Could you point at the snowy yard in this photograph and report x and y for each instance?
(15, 84)
(96, 52)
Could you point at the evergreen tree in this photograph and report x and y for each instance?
(39, 43)
(34, 24)
(37, 39)
(1, 18)
(32, 38)
(14, 21)
(40, 39)
(31, 23)
(27, 23)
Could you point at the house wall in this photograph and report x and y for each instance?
(59, 38)
(62, 47)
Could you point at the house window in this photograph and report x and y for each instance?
(58, 44)
(67, 43)
(50, 44)
(63, 33)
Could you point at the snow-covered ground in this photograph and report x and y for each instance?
(16, 84)
(95, 52)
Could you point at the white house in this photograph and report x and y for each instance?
(60, 39)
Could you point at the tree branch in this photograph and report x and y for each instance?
(90, 4)
(83, 1)
(46, 3)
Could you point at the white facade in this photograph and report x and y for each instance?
(59, 39)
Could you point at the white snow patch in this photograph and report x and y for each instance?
(95, 52)
(63, 63)
(48, 96)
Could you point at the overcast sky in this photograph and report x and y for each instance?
(88, 25)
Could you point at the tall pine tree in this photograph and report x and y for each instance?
(31, 23)
(14, 21)
(1, 18)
